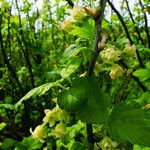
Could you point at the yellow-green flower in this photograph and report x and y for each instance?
(56, 114)
(67, 24)
(59, 131)
(130, 50)
(51, 115)
(77, 13)
(110, 54)
(38, 132)
(116, 71)
(107, 144)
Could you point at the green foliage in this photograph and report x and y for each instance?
(86, 30)
(28, 143)
(137, 147)
(2, 125)
(72, 66)
(76, 145)
(7, 106)
(38, 91)
(143, 74)
(75, 98)
(8, 144)
(130, 122)
(95, 110)
(52, 51)
(86, 98)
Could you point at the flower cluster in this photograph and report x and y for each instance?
(51, 117)
(76, 14)
(67, 24)
(54, 115)
(110, 54)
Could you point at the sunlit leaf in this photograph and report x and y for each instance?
(41, 90)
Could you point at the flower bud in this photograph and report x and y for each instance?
(38, 132)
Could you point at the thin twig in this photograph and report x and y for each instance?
(141, 85)
(135, 26)
(26, 51)
(6, 60)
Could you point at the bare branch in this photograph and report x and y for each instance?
(135, 27)
(70, 3)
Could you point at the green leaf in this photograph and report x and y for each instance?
(73, 145)
(137, 147)
(41, 90)
(130, 122)
(2, 125)
(71, 100)
(87, 99)
(72, 50)
(8, 144)
(144, 98)
(96, 108)
(86, 31)
(143, 74)
(7, 106)
(31, 143)
(71, 67)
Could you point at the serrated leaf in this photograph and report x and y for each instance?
(71, 100)
(41, 90)
(71, 67)
(87, 99)
(96, 108)
(130, 123)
